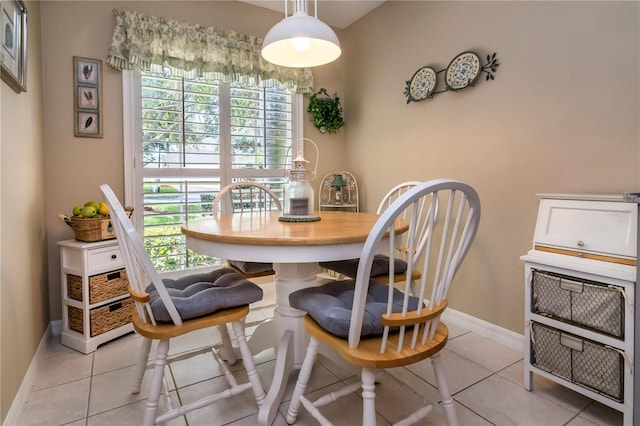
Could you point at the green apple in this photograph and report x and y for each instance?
(93, 204)
(77, 210)
(89, 211)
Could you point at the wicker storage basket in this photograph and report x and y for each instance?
(101, 287)
(103, 318)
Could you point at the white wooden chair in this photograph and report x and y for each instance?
(348, 268)
(247, 197)
(349, 196)
(166, 308)
(406, 329)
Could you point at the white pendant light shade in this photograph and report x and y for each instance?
(301, 41)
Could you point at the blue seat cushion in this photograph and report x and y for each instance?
(197, 295)
(330, 306)
(380, 266)
(251, 267)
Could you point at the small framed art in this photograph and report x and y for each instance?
(87, 97)
(13, 49)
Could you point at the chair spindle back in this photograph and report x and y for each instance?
(246, 197)
(439, 239)
(140, 270)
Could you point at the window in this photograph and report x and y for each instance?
(188, 138)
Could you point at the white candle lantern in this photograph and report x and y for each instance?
(299, 199)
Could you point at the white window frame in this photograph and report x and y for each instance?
(132, 131)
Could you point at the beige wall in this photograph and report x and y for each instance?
(23, 267)
(561, 116)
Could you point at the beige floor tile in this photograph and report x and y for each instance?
(128, 415)
(118, 353)
(602, 415)
(57, 405)
(196, 369)
(320, 377)
(581, 421)
(64, 368)
(504, 403)
(222, 411)
(405, 393)
(461, 373)
(54, 347)
(113, 389)
(346, 411)
(484, 352)
(547, 388)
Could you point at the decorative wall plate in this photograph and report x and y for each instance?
(421, 84)
(463, 71)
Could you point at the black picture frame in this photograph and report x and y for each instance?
(13, 44)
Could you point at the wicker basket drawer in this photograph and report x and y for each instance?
(588, 304)
(581, 361)
(103, 318)
(101, 287)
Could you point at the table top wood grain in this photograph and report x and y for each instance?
(264, 228)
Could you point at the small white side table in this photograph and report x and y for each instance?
(96, 306)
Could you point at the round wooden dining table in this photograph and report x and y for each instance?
(294, 248)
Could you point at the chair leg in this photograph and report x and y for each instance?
(445, 393)
(141, 366)
(155, 389)
(368, 396)
(303, 380)
(229, 354)
(247, 359)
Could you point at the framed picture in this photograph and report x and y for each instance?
(13, 52)
(87, 97)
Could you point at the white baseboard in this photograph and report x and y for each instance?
(484, 328)
(22, 396)
(56, 327)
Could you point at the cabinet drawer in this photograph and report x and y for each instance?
(103, 318)
(587, 363)
(584, 303)
(106, 259)
(101, 287)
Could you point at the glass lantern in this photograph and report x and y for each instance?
(299, 198)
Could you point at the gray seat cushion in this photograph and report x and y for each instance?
(197, 295)
(380, 266)
(251, 267)
(330, 306)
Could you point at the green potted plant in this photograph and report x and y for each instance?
(326, 111)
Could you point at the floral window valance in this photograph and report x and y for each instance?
(156, 44)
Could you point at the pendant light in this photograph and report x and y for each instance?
(300, 40)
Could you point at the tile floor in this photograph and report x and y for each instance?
(486, 378)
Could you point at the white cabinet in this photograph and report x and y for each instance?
(580, 281)
(96, 306)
